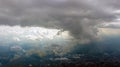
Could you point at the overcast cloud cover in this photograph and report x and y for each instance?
(79, 17)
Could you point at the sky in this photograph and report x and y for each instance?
(78, 17)
(69, 21)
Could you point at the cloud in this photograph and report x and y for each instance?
(109, 32)
(112, 25)
(35, 40)
(78, 17)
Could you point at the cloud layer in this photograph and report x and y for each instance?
(78, 17)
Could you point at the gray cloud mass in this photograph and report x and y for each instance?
(79, 17)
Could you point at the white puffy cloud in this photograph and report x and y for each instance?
(41, 39)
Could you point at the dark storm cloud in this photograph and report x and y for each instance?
(76, 16)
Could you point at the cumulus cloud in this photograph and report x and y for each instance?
(35, 40)
(76, 16)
